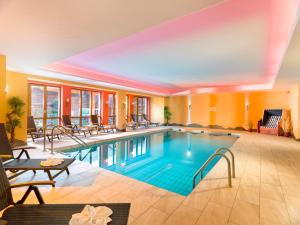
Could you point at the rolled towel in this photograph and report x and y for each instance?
(52, 162)
(92, 216)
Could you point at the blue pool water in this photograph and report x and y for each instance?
(167, 159)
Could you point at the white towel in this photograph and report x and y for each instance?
(92, 216)
(52, 162)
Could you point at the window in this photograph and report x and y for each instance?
(53, 99)
(83, 104)
(96, 102)
(140, 107)
(86, 107)
(75, 106)
(44, 104)
(111, 109)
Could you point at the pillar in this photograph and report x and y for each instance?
(246, 117)
(189, 115)
(121, 110)
(212, 109)
(2, 88)
(66, 100)
(295, 110)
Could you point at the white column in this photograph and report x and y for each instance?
(247, 106)
(189, 116)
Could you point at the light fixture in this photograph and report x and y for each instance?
(188, 153)
(6, 89)
(68, 100)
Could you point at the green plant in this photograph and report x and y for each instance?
(167, 114)
(13, 116)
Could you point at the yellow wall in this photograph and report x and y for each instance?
(178, 108)
(2, 88)
(266, 100)
(230, 110)
(227, 109)
(199, 110)
(157, 109)
(121, 109)
(17, 86)
(295, 109)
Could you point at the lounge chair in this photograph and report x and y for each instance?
(20, 166)
(149, 122)
(74, 127)
(46, 214)
(101, 126)
(38, 133)
(269, 124)
(134, 118)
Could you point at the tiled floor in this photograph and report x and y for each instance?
(265, 191)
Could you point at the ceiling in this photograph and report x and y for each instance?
(165, 47)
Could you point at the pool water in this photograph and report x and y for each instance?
(167, 160)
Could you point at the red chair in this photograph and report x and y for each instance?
(269, 124)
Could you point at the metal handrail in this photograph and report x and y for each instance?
(232, 158)
(66, 132)
(217, 153)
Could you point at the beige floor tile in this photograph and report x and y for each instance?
(249, 194)
(292, 191)
(183, 215)
(244, 213)
(169, 202)
(151, 217)
(272, 179)
(274, 211)
(289, 179)
(198, 200)
(214, 214)
(224, 196)
(271, 192)
(250, 180)
(138, 207)
(131, 219)
(293, 206)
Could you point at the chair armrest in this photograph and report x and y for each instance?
(23, 148)
(3, 222)
(25, 184)
(6, 156)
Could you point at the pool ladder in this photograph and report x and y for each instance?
(219, 152)
(66, 132)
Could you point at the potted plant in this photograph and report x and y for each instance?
(13, 116)
(167, 114)
(286, 123)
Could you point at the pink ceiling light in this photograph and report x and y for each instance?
(279, 17)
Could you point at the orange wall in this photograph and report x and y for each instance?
(199, 110)
(2, 88)
(178, 108)
(18, 86)
(295, 109)
(226, 109)
(266, 100)
(230, 110)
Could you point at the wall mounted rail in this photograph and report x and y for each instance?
(219, 152)
(68, 133)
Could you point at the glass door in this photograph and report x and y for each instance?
(111, 109)
(141, 107)
(44, 105)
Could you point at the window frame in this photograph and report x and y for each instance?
(45, 103)
(80, 117)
